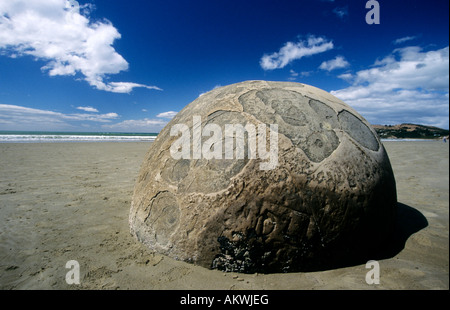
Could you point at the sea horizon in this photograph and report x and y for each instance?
(7, 136)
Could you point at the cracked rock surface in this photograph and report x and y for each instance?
(329, 196)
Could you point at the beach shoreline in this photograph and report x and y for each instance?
(70, 201)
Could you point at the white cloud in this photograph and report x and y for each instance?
(168, 114)
(409, 85)
(61, 33)
(120, 87)
(103, 118)
(341, 12)
(293, 51)
(88, 109)
(404, 39)
(13, 117)
(142, 125)
(293, 73)
(336, 63)
(305, 73)
(346, 77)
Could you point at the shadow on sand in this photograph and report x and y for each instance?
(408, 222)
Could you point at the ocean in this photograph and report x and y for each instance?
(49, 136)
(46, 137)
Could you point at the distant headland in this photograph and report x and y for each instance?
(410, 131)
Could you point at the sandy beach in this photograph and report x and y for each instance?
(70, 201)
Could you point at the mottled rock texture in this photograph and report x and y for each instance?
(330, 198)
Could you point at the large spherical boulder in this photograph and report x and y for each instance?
(265, 177)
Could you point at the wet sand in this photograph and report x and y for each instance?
(70, 201)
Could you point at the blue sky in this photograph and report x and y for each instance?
(128, 66)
